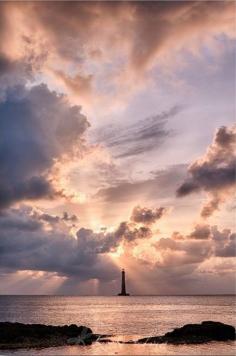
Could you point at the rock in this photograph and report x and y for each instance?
(18, 335)
(148, 340)
(195, 334)
(86, 337)
(83, 341)
(104, 341)
(206, 331)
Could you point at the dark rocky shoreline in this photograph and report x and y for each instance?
(194, 334)
(18, 335)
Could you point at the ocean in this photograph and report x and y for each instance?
(126, 318)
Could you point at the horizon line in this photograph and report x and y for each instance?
(111, 295)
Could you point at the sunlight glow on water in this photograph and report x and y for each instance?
(126, 318)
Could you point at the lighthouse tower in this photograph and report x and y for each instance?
(123, 289)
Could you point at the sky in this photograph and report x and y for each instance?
(117, 147)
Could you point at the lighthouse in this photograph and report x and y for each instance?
(123, 288)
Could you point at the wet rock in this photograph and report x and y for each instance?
(195, 334)
(18, 335)
(83, 341)
(86, 337)
(104, 341)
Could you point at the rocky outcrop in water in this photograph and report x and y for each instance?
(194, 334)
(17, 335)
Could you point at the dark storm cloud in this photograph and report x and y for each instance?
(13, 73)
(209, 178)
(33, 189)
(18, 220)
(215, 172)
(138, 138)
(26, 245)
(10, 67)
(37, 127)
(147, 216)
(187, 187)
(5, 65)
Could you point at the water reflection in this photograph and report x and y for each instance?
(125, 318)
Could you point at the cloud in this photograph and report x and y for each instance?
(180, 252)
(16, 219)
(162, 185)
(214, 173)
(147, 216)
(225, 242)
(160, 26)
(79, 84)
(26, 244)
(60, 44)
(229, 249)
(130, 231)
(34, 242)
(203, 244)
(143, 136)
(71, 218)
(13, 73)
(33, 189)
(37, 128)
(133, 37)
(201, 232)
(211, 206)
(100, 242)
(186, 264)
(31, 240)
(52, 220)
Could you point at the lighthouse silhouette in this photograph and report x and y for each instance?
(123, 288)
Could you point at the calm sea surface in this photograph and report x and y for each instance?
(127, 318)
